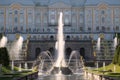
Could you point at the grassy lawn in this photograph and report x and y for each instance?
(6, 73)
(107, 71)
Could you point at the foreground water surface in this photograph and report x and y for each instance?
(78, 76)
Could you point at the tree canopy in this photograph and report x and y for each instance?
(4, 57)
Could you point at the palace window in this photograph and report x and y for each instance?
(16, 20)
(67, 37)
(29, 19)
(2, 28)
(103, 12)
(1, 12)
(117, 28)
(15, 28)
(21, 28)
(103, 20)
(52, 18)
(97, 28)
(10, 12)
(38, 13)
(85, 37)
(89, 28)
(16, 12)
(66, 18)
(103, 28)
(108, 28)
(21, 12)
(51, 37)
(21, 19)
(45, 19)
(116, 20)
(81, 28)
(29, 29)
(81, 15)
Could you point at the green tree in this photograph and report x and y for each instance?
(118, 61)
(117, 55)
(4, 57)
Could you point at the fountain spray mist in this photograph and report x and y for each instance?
(3, 41)
(60, 44)
(16, 49)
(115, 42)
(98, 44)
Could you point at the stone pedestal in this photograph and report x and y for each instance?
(64, 70)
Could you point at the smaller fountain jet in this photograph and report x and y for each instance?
(115, 42)
(15, 51)
(98, 44)
(3, 41)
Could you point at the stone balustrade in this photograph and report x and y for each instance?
(92, 76)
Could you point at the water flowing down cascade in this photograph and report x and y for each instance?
(60, 62)
(3, 41)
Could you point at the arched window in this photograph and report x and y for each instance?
(89, 28)
(68, 37)
(2, 28)
(51, 37)
(102, 12)
(16, 19)
(52, 50)
(81, 28)
(97, 28)
(16, 12)
(82, 52)
(68, 52)
(108, 28)
(37, 52)
(103, 28)
(85, 37)
(117, 28)
(103, 20)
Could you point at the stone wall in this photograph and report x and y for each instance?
(46, 45)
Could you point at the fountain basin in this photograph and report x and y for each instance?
(64, 70)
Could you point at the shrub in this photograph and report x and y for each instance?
(4, 57)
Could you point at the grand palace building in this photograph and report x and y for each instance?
(84, 22)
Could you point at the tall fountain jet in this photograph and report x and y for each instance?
(60, 45)
(60, 65)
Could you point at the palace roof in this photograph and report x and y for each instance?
(96, 2)
(68, 2)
